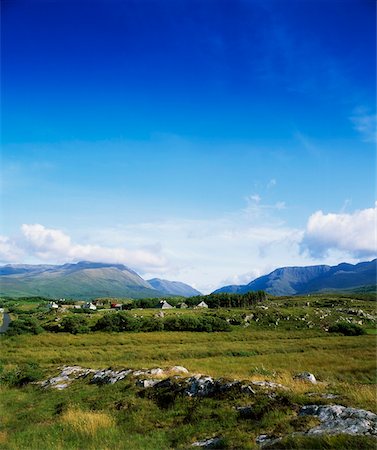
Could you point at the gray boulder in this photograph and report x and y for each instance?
(208, 443)
(306, 376)
(109, 376)
(179, 369)
(147, 383)
(336, 419)
(200, 386)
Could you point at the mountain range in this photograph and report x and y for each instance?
(88, 280)
(173, 288)
(311, 279)
(84, 280)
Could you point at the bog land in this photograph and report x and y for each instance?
(243, 388)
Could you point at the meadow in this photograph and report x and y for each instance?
(120, 416)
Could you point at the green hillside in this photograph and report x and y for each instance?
(78, 281)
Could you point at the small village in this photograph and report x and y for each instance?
(64, 305)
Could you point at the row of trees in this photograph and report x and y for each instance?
(118, 322)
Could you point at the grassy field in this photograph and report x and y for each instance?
(86, 416)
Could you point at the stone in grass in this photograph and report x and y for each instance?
(157, 371)
(147, 383)
(208, 443)
(200, 386)
(179, 369)
(306, 376)
(263, 439)
(336, 419)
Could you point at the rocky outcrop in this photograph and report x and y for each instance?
(107, 376)
(208, 443)
(154, 383)
(66, 376)
(194, 386)
(336, 419)
(268, 385)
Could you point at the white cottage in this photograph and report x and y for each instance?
(164, 305)
(53, 305)
(90, 306)
(202, 305)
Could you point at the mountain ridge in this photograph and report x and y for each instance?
(309, 279)
(82, 280)
(173, 287)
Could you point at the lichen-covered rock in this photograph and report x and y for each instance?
(337, 419)
(66, 376)
(147, 383)
(156, 371)
(200, 386)
(306, 376)
(179, 369)
(57, 382)
(264, 439)
(268, 385)
(109, 376)
(208, 443)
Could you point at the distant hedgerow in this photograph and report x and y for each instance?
(348, 329)
(123, 321)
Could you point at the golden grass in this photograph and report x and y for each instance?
(341, 364)
(360, 394)
(86, 422)
(3, 437)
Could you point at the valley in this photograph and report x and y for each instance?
(265, 346)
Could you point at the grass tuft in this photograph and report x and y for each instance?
(86, 422)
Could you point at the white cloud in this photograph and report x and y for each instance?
(242, 279)
(366, 124)
(353, 233)
(207, 254)
(53, 245)
(210, 253)
(9, 250)
(46, 243)
(255, 198)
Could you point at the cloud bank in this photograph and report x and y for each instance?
(353, 233)
(366, 124)
(53, 245)
(234, 249)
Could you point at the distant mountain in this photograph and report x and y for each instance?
(173, 288)
(304, 280)
(84, 280)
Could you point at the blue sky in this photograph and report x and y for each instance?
(205, 141)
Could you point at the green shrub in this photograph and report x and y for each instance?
(21, 375)
(26, 325)
(120, 321)
(151, 324)
(75, 324)
(348, 329)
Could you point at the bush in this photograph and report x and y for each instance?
(21, 375)
(151, 324)
(75, 325)
(118, 322)
(26, 325)
(181, 323)
(348, 329)
(122, 321)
